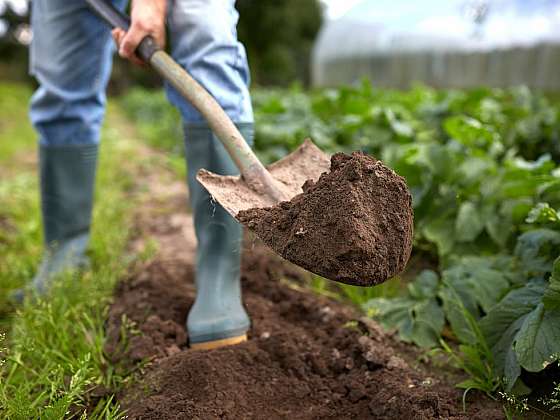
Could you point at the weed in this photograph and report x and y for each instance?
(361, 295)
(552, 402)
(323, 287)
(475, 358)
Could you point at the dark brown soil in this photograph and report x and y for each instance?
(307, 357)
(354, 225)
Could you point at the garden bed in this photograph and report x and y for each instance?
(307, 356)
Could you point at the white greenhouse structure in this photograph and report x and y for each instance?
(443, 43)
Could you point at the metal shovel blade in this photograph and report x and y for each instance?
(233, 194)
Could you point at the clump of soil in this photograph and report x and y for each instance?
(354, 225)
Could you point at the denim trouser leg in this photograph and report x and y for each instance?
(203, 40)
(70, 56)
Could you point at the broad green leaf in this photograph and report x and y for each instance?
(478, 284)
(516, 209)
(404, 160)
(520, 389)
(454, 310)
(476, 169)
(543, 164)
(425, 285)
(551, 187)
(537, 344)
(441, 161)
(418, 317)
(513, 306)
(502, 323)
(468, 224)
(499, 228)
(428, 321)
(391, 312)
(470, 285)
(470, 131)
(400, 127)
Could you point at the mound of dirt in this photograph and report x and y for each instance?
(308, 357)
(354, 225)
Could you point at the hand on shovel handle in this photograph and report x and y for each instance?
(147, 19)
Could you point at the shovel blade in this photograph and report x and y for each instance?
(233, 194)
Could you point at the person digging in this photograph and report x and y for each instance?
(71, 56)
(347, 218)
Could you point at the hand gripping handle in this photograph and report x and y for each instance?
(114, 17)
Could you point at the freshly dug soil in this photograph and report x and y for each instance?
(354, 225)
(308, 357)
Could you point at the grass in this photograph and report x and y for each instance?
(355, 294)
(53, 349)
(16, 134)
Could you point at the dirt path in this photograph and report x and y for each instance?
(308, 357)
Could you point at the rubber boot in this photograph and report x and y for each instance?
(217, 317)
(67, 176)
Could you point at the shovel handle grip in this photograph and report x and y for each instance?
(114, 17)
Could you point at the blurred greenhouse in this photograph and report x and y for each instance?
(443, 43)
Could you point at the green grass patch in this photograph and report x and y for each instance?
(52, 354)
(16, 132)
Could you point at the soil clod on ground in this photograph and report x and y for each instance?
(353, 225)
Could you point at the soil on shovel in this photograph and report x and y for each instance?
(308, 357)
(354, 225)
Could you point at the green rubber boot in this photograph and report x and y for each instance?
(67, 177)
(217, 317)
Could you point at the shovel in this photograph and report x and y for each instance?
(353, 249)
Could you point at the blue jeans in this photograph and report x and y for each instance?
(71, 57)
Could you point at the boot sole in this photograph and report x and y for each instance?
(216, 344)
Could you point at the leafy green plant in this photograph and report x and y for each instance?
(504, 306)
(417, 315)
(474, 357)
